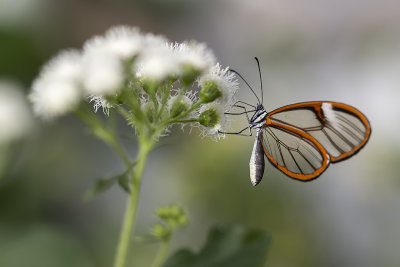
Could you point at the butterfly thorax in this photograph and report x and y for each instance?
(258, 118)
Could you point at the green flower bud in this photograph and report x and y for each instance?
(162, 213)
(175, 210)
(209, 118)
(182, 220)
(173, 215)
(149, 86)
(209, 92)
(161, 231)
(169, 211)
(189, 74)
(178, 106)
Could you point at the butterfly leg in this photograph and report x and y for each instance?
(242, 102)
(240, 113)
(239, 133)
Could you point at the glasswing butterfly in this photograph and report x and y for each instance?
(302, 139)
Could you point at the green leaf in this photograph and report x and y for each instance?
(103, 184)
(226, 246)
(124, 182)
(100, 186)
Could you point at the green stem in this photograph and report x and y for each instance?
(184, 121)
(128, 225)
(162, 253)
(164, 100)
(127, 115)
(196, 105)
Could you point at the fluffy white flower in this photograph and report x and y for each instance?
(153, 40)
(100, 102)
(157, 63)
(122, 41)
(183, 98)
(15, 117)
(157, 60)
(65, 66)
(103, 72)
(54, 98)
(153, 61)
(57, 89)
(194, 54)
(192, 95)
(225, 80)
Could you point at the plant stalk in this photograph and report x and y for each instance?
(162, 253)
(128, 225)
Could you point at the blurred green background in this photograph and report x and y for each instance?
(346, 51)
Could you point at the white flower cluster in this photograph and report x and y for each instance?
(124, 56)
(15, 116)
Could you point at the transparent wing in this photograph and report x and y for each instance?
(341, 129)
(294, 152)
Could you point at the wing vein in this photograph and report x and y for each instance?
(280, 152)
(347, 141)
(350, 123)
(305, 158)
(349, 132)
(298, 166)
(338, 148)
(276, 140)
(309, 151)
(269, 145)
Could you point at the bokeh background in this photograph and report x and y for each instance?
(345, 50)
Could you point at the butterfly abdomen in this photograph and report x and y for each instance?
(257, 163)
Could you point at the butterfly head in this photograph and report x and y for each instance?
(258, 117)
(259, 107)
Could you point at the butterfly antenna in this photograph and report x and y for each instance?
(238, 74)
(259, 71)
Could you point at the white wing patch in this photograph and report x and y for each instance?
(329, 113)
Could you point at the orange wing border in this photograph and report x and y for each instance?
(305, 136)
(316, 106)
